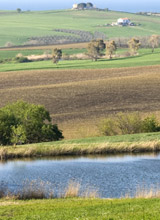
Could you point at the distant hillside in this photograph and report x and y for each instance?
(66, 26)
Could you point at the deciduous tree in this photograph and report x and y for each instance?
(95, 49)
(56, 55)
(22, 122)
(154, 41)
(134, 45)
(19, 10)
(111, 48)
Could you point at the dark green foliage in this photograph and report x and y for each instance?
(6, 123)
(150, 124)
(56, 55)
(89, 5)
(81, 6)
(22, 122)
(128, 123)
(19, 10)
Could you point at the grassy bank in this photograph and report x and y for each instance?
(136, 143)
(80, 209)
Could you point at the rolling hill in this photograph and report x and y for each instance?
(19, 28)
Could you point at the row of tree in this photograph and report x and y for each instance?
(96, 48)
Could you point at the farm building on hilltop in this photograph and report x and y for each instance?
(82, 6)
(123, 21)
(75, 6)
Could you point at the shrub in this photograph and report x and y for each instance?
(108, 127)
(22, 59)
(150, 124)
(22, 122)
(128, 123)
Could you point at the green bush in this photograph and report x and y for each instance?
(150, 124)
(128, 123)
(22, 122)
(108, 127)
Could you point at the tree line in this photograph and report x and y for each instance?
(96, 48)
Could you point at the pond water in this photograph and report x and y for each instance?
(112, 176)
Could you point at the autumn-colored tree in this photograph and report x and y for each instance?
(134, 45)
(95, 49)
(111, 48)
(154, 41)
(56, 55)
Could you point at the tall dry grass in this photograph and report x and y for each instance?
(144, 192)
(38, 189)
(72, 190)
(3, 153)
(35, 189)
(147, 192)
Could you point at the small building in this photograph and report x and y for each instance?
(123, 21)
(83, 6)
(75, 6)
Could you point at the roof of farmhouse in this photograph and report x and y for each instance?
(124, 18)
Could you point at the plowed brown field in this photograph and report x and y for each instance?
(74, 96)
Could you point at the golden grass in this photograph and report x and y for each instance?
(72, 190)
(84, 96)
(145, 192)
(38, 189)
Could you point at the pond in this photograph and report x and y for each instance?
(112, 176)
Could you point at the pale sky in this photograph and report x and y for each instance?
(121, 5)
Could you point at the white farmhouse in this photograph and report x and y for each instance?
(75, 6)
(123, 21)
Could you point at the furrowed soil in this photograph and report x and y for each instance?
(77, 99)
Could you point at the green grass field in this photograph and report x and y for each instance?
(18, 27)
(80, 209)
(10, 54)
(145, 58)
